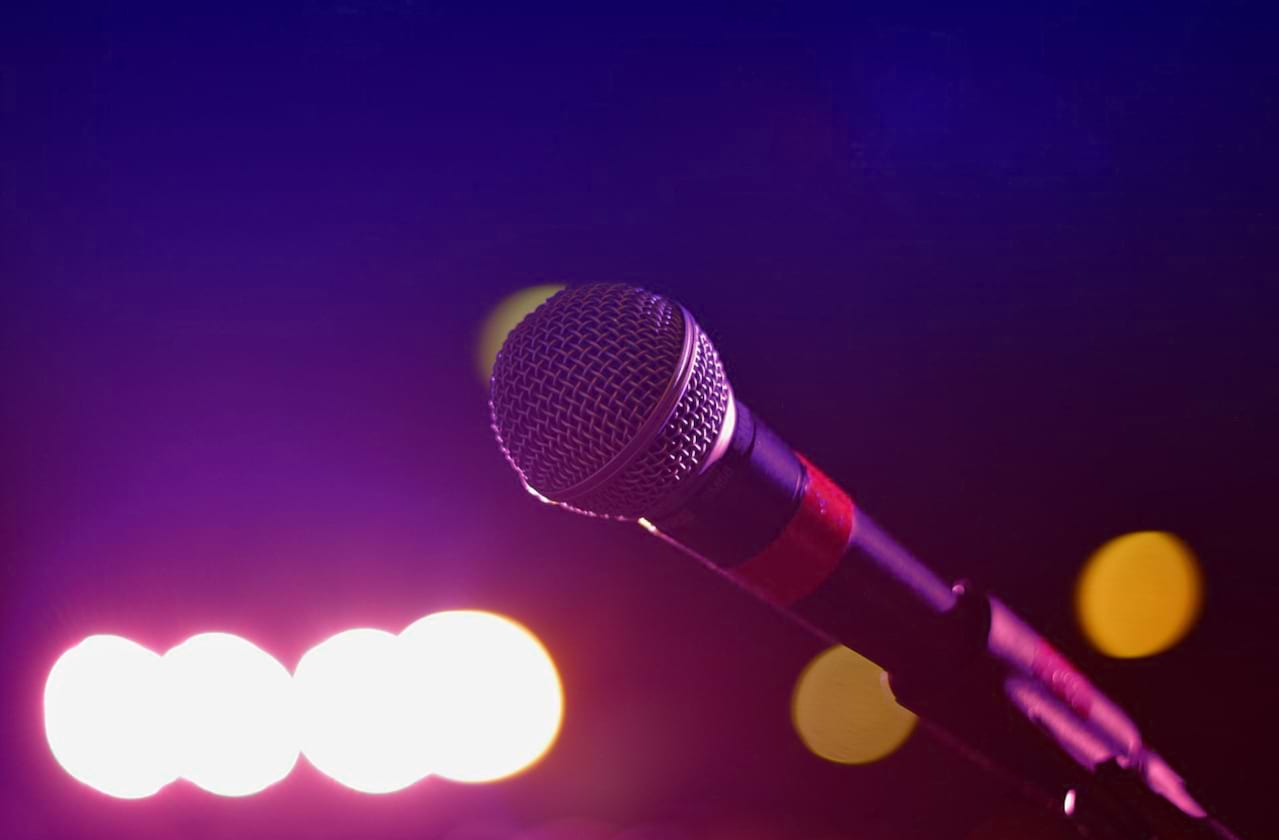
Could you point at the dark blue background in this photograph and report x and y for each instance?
(1008, 274)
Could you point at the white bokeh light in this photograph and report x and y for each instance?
(360, 712)
(234, 722)
(495, 700)
(106, 717)
(467, 695)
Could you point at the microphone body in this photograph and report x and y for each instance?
(765, 517)
(772, 522)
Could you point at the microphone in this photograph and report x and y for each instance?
(610, 401)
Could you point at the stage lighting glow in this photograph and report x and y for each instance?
(1139, 594)
(106, 717)
(361, 713)
(235, 725)
(495, 697)
(508, 312)
(844, 712)
(469, 695)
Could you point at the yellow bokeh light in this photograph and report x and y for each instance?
(509, 311)
(844, 712)
(1139, 594)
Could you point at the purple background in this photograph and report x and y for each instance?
(1009, 276)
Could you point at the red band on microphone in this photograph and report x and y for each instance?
(808, 549)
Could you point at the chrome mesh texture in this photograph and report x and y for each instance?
(677, 451)
(576, 381)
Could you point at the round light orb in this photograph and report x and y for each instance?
(106, 717)
(844, 712)
(496, 702)
(1139, 594)
(236, 730)
(508, 312)
(359, 712)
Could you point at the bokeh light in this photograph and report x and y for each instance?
(495, 697)
(471, 696)
(106, 717)
(234, 721)
(844, 712)
(1139, 594)
(360, 714)
(503, 318)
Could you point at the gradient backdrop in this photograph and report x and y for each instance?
(1008, 274)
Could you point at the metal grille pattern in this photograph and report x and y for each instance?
(575, 382)
(576, 379)
(679, 448)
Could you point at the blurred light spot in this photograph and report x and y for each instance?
(469, 695)
(509, 311)
(105, 717)
(1068, 805)
(358, 713)
(1139, 594)
(843, 709)
(234, 719)
(495, 698)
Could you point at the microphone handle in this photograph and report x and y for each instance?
(770, 521)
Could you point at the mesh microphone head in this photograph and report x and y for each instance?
(606, 397)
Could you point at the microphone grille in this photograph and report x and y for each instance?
(576, 390)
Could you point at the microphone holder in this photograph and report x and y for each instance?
(964, 695)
